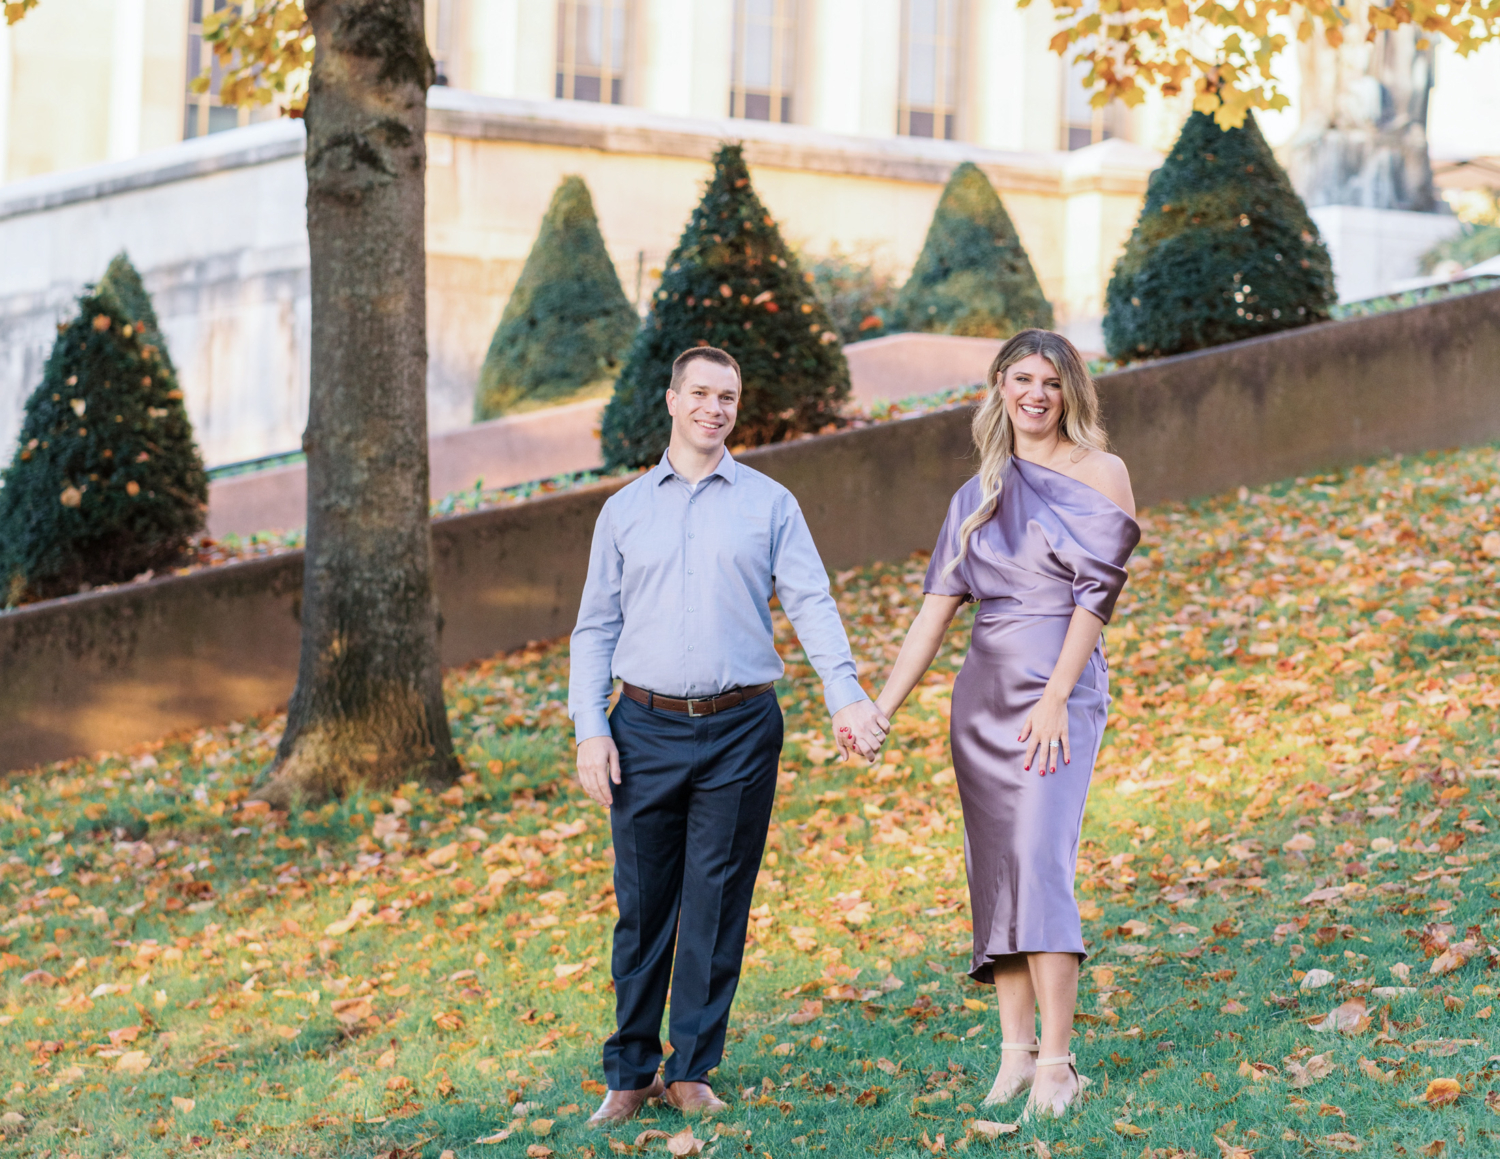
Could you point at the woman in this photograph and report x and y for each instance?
(1040, 539)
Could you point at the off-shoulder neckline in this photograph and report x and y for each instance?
(1080, 483)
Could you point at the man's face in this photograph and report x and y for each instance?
(703, 407)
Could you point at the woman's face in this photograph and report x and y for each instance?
(1033, 396)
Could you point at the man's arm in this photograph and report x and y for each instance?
(592, 651)
(802, 586)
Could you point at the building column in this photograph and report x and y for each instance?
(126, 76)
(4, 97)
(511, 48)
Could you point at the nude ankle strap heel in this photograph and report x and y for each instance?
(1033, 1108)
(998, 1096)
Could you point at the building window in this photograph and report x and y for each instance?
(929, 68)
(204, 113)
(591, 50)
(765, 59)
(1083, 124)
(439, 17)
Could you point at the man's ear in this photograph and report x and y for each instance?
(671, 402)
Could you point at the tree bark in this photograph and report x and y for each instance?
(368, 706)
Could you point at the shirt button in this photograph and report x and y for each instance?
(690, 647)
(690, 535)
(690, 571)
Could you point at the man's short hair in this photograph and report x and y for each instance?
(707, 354)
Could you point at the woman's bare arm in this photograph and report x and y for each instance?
(923, 639)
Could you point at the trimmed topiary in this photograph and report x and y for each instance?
(973, 276)
(1224, 249)
(107, 482)
(732, 283)
(568, 323)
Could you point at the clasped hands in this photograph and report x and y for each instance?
(860, 729)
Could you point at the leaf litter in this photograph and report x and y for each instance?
(1285, 879)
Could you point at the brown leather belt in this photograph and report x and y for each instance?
(703, 706)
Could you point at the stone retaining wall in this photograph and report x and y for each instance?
(111, 668)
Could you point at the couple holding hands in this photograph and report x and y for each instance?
(684, 562)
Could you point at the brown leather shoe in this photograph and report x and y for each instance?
(622, 1106)
(694, 1099)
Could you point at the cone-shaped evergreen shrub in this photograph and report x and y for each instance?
(121, 280)
(973, 276)
(1224, 249)
(107, 481)
(732, 283)
(567, 323)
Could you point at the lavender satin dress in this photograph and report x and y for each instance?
(1054, 543)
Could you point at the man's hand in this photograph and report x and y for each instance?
(859, 730)
(598, 765)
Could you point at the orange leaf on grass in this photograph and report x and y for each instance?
(1350, 1018)
(1441, 1092)
(1343, 1141)
(351, 1010)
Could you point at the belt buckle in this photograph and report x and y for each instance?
(699, 700)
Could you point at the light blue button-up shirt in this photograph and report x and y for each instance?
(679, 587)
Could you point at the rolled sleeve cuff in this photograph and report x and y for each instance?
(590, 723)
(842, 693)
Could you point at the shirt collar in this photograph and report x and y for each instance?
(727, 469)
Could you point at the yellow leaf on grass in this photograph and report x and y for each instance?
(541, 1126)
(287, 1032)
(1130, 1130)
(497, 1137)
(386, 1060)
(538, 1151)
(1343, 1141)
(989, 1129)
(184, 1105)
(1090, 911)
(361, 907)
(976, 1005)
(133, 1062)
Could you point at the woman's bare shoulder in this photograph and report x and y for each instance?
(1107, 474)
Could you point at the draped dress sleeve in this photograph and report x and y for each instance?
(940, 580)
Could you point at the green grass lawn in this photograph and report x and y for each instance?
(1300, 776)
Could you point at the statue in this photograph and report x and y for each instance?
(1363, 136)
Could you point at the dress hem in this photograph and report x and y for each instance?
(984, 972)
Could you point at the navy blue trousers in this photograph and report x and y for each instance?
(689, 820)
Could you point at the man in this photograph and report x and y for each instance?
(676, 604)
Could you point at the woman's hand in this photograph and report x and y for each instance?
(1046, 729)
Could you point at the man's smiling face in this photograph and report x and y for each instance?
(704, 404)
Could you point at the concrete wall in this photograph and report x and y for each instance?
(217, 227)
(501, 453)
(106, 669)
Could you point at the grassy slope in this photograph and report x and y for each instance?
(167, 921)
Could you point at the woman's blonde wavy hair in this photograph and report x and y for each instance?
(995, 437)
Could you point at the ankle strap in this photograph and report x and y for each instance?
(1068, 1059)
(1029, 1047)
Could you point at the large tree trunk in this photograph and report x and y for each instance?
(368, 707)
(1363, 136)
